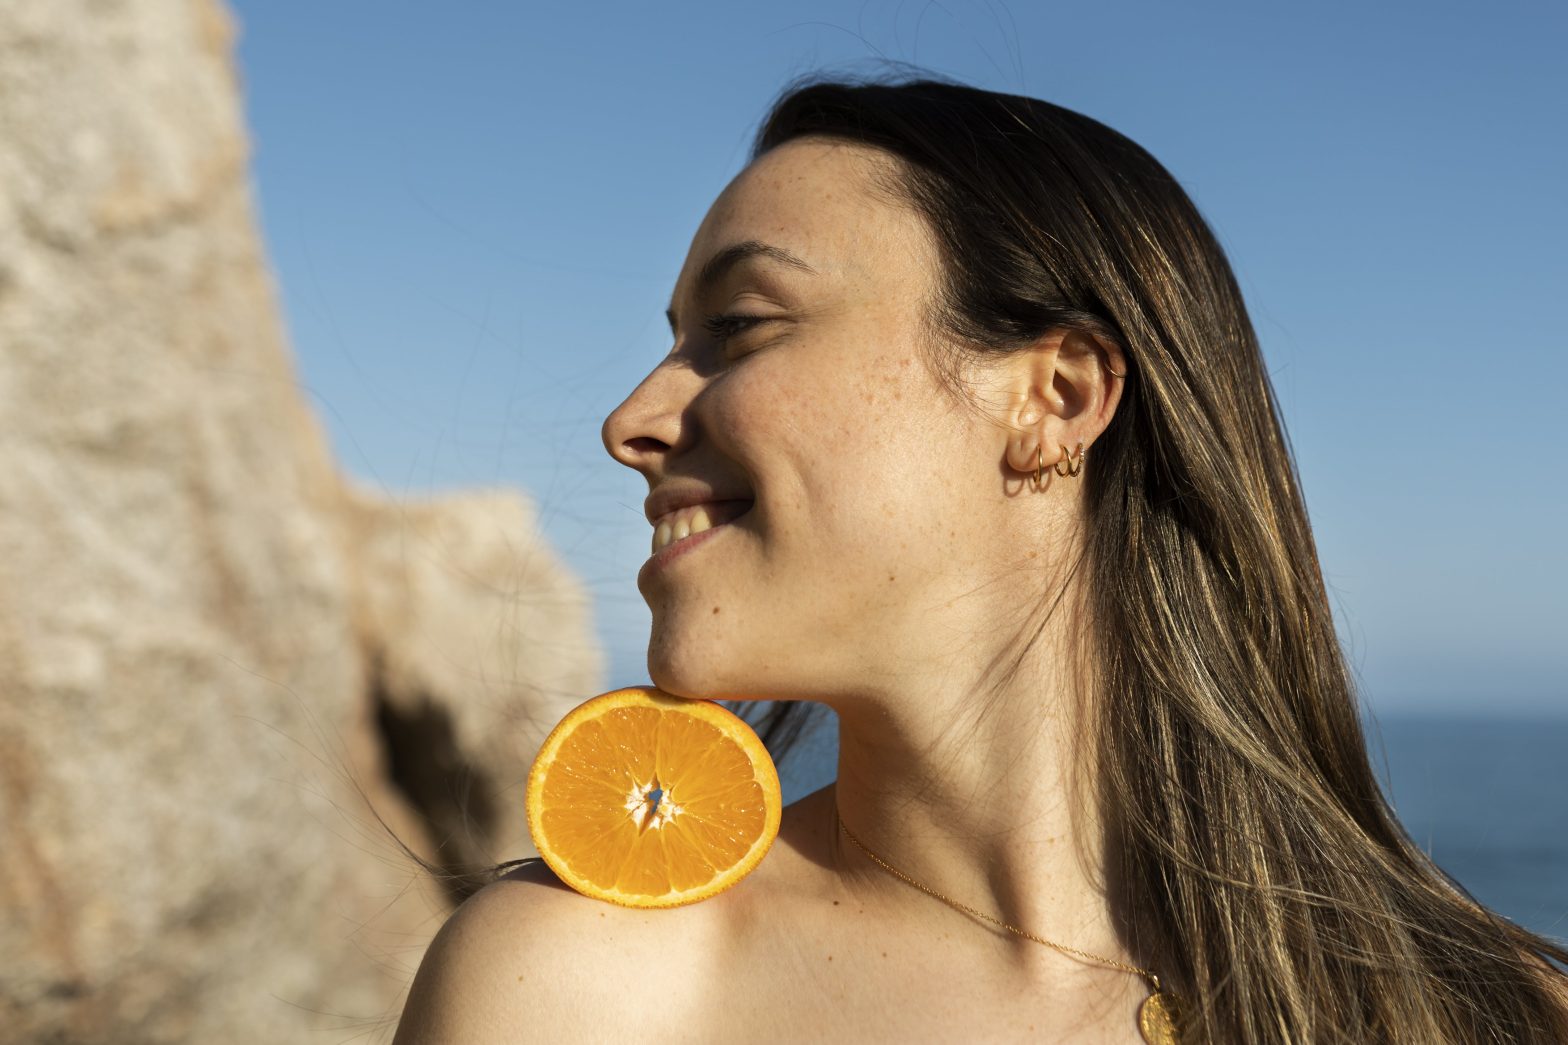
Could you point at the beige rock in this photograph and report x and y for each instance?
(206, 637)
(461, 596)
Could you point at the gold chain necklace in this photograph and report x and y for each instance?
(1157, 1014)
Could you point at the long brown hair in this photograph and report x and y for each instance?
(1270, 881)
(1254, 860)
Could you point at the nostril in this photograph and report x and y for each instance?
(637, 451)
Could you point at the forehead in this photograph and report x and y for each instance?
(823, 175)
(816, 200)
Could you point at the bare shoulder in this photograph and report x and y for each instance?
(528, 959)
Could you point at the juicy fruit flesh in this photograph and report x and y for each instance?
(602, 817)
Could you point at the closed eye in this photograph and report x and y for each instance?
(724, 327)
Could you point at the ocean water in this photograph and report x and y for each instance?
(1487, 798)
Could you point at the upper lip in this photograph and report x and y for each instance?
(675, 496)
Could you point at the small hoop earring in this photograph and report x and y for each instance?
(1073, 468)
(1039, 467)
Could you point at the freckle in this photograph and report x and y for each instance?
(715, 610)
(835, 903)
(520, 979)
(884, 954)
(891, 578)
(830, 957)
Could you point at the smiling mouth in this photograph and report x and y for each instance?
(698, 518)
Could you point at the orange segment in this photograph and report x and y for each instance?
(650, 800)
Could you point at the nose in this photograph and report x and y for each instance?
(651, 421)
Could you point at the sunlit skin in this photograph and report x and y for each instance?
(897, 548)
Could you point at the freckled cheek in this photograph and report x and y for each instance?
(758, 415)
(843, 440)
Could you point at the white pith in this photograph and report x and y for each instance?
(639, 804)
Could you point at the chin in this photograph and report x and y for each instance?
(684, 665)
(703, 667)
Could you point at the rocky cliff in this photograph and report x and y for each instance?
(217, 655)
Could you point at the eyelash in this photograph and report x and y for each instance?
(724, 327)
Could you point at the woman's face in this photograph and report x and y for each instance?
(873, 495)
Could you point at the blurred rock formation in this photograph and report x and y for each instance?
(213, 649)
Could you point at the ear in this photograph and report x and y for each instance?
(1061, 391)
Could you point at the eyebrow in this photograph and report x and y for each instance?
(731, 256)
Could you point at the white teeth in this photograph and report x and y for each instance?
(681, 524)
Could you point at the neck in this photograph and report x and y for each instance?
(973, 797)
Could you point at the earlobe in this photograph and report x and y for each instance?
(1066, 387)
(1026, 454)
(1068, 464)
(1037, 406)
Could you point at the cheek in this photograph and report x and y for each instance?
(825, 440)
(849, 465)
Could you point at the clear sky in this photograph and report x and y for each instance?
(476, 213)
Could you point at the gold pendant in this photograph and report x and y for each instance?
(1157, 1019)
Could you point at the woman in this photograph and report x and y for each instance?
(970, 389)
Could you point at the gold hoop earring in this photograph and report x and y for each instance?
(1073, 468)
(1039, 467)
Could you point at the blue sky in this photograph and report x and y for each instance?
(476, 213)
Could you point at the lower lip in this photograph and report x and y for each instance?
(661, 559)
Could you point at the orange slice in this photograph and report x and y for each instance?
(649, 800)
